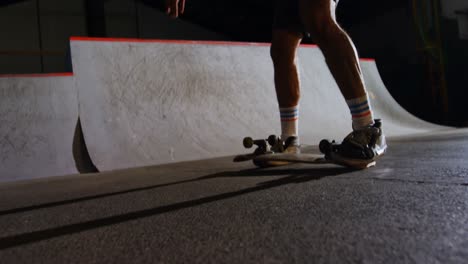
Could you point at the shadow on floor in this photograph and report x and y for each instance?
(289, 176)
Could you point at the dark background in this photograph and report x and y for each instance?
(428, 82)
(419, 53)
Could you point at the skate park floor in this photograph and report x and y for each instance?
(411, 208)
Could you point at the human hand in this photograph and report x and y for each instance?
(174, 8)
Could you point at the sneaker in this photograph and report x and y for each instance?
(364, 144)
(291, 145)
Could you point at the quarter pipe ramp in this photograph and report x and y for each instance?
(153, 102)
(38, 115)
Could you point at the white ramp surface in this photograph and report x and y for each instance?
(38, 117)
(154, 102)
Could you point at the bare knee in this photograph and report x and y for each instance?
(322, 27)
(283, 47)
(318, 18)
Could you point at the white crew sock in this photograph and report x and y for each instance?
(361, 112)
(289, 121)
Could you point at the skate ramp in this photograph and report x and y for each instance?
(38, 114)
(153, 102)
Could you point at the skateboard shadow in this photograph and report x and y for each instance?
(294, 175)
(287, 176)
(313, 173)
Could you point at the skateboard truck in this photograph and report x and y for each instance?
(276, 143)
(264, 146)
(327, 146)
(261, 144)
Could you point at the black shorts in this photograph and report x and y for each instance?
(287, 16)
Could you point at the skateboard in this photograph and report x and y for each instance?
(272, 145)
(329, 150)
(269, 154)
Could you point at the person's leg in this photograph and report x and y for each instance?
(318, 17)
(367, 140)
(287, 35)
(283, 53)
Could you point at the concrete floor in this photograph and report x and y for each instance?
(411, 208)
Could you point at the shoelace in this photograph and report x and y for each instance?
(361, 138)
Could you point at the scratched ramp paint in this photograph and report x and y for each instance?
(38, 117)
(149, 103)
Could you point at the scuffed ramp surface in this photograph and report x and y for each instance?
(144, 104)
(38, 117)
(148, 103)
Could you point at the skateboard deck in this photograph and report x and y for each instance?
(269, 154)
(293, 158)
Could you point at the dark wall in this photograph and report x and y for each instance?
(392, 40)
(456, 57)
(35, 33)
(35, 38)
(419, 71)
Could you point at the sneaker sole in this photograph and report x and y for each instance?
(354, 163)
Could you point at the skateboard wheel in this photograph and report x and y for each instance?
(325, 146)
(248, 142)
(272, 140)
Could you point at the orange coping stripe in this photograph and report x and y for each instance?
(202, 42)
(57, 74)
(196, 42)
